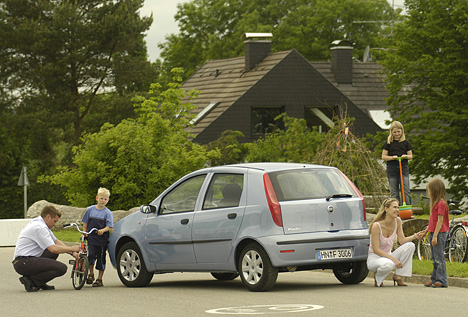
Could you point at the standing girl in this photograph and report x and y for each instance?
(384, 230)
(438, 228)
(397, 146)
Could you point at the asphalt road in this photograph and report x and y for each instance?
(313, 293)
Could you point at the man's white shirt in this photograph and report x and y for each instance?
(34, 238)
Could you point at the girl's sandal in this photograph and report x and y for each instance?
(98, 283)
(90, 279)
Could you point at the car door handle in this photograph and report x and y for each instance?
(232, 216)
(184, 221)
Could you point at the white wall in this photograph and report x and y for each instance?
(10, 230)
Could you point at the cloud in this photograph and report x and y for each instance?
(163, 23)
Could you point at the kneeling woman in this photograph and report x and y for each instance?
(384, 230)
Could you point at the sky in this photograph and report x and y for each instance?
(164, 23)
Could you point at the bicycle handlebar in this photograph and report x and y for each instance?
(450, 202)
(69, 225)
(453, 201)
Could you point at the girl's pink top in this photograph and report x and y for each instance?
(386, 244)
(440, 208)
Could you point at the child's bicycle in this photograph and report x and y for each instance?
(457, 241)
(80, 266)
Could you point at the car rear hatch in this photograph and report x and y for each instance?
(317, 199)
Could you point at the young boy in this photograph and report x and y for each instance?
(100, 217)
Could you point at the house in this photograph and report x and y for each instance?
(247, 93)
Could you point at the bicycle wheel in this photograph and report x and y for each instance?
(458, 244)
(423, 247)
(80, 272)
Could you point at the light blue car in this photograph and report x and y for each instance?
(254, 220)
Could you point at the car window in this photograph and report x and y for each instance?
(225, 190)
(183, 197)
(309, 184)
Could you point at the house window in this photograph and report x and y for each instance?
(320, 117)
(263, 120)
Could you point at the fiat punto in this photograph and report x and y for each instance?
(249, 220)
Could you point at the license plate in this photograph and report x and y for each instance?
(334, 254)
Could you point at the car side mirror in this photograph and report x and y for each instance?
(148, 209)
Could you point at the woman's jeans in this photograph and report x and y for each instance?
(394, 180)
(439, 271)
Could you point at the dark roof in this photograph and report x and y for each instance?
(280, 79)
(368, 88)
(224, 82)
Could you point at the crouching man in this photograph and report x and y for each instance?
(37, 250)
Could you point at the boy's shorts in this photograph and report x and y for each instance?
(99, 253)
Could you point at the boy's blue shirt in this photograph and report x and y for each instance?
(99, 219)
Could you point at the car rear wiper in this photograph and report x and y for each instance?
(339, 196)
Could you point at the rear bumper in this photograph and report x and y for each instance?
(301, 249)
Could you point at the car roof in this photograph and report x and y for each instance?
(272, 166)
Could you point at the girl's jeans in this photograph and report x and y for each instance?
(439, 271)
(394, 180)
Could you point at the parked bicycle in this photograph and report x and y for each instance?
(81, 265)
(457, 241)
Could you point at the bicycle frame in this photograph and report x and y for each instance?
(80, 263)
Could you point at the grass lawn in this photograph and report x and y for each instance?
(69, 235)
(455, 269)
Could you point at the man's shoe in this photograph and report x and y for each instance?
(46, 287)
(28, 284)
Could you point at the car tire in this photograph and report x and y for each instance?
(355, 273)
(131, 267)
(225, 276)
(255, 269)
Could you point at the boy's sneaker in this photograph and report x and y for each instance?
(98, 283)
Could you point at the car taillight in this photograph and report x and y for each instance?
(272, 200)
(358, 193)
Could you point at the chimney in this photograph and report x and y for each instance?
(257, 47)
(342, 61)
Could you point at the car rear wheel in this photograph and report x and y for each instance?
(131, 267)
(352, 273)
(255, 268)
(225, 276)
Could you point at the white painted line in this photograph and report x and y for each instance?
(264, 309)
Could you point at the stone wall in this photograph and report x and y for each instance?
(71, 214)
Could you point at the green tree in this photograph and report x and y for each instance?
(66, 67)
(231, 150)
(297, 143)
(427, 71)
(65, 53)
(137, 158)
(61, 56)
(213, 29)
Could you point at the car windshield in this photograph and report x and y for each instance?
(310, 184)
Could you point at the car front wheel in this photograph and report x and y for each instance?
(352, 273)
(131, 268)
(255, 268)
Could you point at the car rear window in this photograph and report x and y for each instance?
(309, 184)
